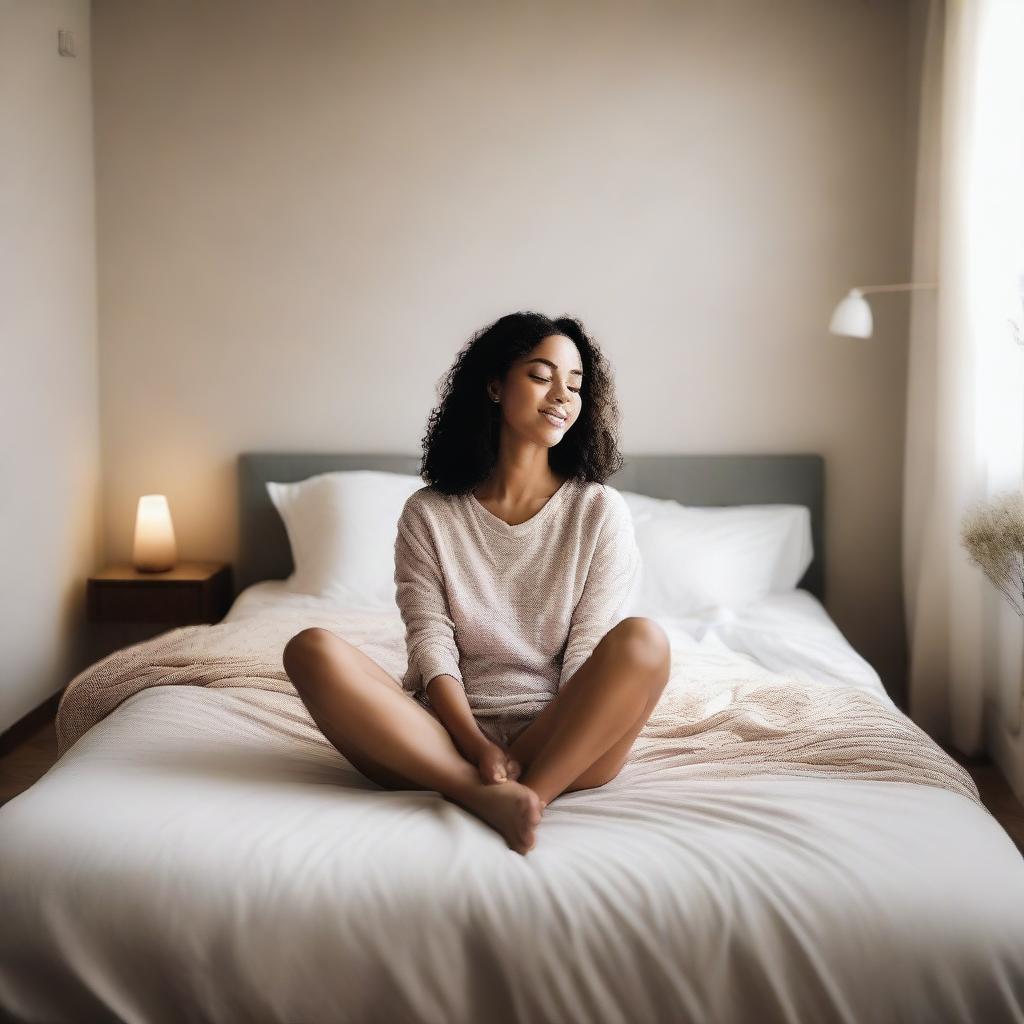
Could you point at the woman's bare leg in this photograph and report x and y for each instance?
(583, 737)
(392, 740)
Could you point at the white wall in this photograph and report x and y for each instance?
(305, 209)
(49, 460)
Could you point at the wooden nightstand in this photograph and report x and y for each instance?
(125, 606)
(190, 593)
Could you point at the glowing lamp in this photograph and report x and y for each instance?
(154, 549)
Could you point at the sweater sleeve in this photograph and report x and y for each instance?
(612, 582)
(421, 598)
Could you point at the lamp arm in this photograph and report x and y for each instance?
(891, 287)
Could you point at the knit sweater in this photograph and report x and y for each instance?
(512, 611)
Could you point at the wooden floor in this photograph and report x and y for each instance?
(996, 794)
(28, 761)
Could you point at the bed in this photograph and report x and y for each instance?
(785, 845)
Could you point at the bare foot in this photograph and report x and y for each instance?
(511, 808)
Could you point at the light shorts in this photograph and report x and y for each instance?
(499, 730)
(502, 730)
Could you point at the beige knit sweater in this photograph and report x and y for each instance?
(511, 611)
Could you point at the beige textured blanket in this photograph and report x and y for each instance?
(721, 716)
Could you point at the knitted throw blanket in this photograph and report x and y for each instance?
(722, 714)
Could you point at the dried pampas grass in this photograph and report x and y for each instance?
(993, 534)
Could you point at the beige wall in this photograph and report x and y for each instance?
(49, 460)
(305, 209)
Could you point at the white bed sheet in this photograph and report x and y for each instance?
(787, 632)
(170, 868)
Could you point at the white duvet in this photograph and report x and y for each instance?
(197, 856)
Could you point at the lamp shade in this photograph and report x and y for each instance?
(154, 549)
(852, 317)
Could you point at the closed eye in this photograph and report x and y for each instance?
(547, 380)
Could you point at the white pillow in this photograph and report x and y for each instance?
(698, 558)
(342, 528)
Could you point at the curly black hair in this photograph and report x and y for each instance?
(460, 447)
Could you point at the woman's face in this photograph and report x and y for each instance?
(546, 379)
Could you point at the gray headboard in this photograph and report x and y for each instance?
(264, 552)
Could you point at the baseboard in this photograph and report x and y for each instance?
(1007, 749)
(30, 724)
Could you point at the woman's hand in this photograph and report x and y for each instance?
(494, 763)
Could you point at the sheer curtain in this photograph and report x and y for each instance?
(965, 400)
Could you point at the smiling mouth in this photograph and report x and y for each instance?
(553, 420)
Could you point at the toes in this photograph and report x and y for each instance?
(521, 845)
(532, 812)
(528, 834)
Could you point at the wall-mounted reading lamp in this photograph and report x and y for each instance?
(852, 317)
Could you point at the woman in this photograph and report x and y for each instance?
(512, 568)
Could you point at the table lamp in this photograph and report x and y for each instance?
(154, 549)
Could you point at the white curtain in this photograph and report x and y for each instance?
(965, 400)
